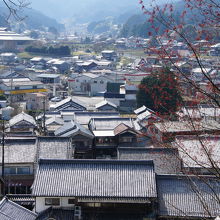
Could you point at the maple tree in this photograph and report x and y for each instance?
(205, 17)
(195, 25)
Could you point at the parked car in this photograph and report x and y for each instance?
(55, 99)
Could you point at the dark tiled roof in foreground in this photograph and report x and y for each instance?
(103, 179)
(188, 196)
(12, 211)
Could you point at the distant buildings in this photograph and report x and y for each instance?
(10, 41)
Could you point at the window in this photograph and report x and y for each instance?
(126, 139)
(34, 87)
(52, 201)
(10, 170)
(17, 170)
(23, 170)
(101, 82)
(71, 201)
(17, 87)
(95, 81)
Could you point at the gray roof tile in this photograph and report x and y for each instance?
(166, 160)
(54, 148)
(188, 196)
(12, 211)
(95, 178)
(19, 151)
(22, 117)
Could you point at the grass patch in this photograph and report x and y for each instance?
(25, 55)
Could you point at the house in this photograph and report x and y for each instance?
(215, 50)
(84, 66)
(38, 61)
(106, 106)
(188, 197)
(130, 91)
(199, 154)
(19, 164)
(12, 211)
(109, 55)
(37, 102)
(61, 65)
(49, 78)
(11, 41)
(166, 160)
(21, 155)
(84, 117)
(18, 88)
(109, 188)
(6, 113)
(22, 123)
(53, 123)
(183, 66)
(82, 138)
(145, 117)
(89, 84)
(69, 103)
(105, 65)
(166, 131)
(198, 74)
(199, 113)
(129, 103)
(107, 132)
(8, 58)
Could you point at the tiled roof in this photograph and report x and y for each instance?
(19, 150)
(22, 117)
(105, 102)
(54, 120)
(198, 151)
(70, 102)
(109, 123)
(121, 128)
(187, 126)
(12, 211)
(72, 128)
(95, 178)
(83, 118)
(54, 148)
(188, 196)
(166, 160)
(140, 110)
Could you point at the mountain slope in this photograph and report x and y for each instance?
(86, 10)
(33, 19)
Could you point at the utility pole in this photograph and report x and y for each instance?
(3, 157)
(11, 87)
(44, 116)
